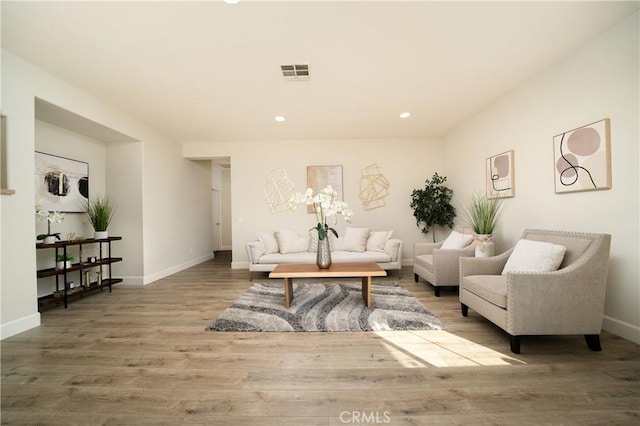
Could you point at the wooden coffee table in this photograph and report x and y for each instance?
(364, 270)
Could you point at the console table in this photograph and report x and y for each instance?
(103, 259)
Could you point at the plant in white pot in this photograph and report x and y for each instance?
(50, 217)
(482, 214)
(100, 212)
(63, 261)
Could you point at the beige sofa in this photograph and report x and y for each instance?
(356, 245)
(562, 296)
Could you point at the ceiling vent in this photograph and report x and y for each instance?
(298, 72)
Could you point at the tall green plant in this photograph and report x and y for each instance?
(482, 213)
(432, 205)
(100, 212)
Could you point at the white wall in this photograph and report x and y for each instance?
(598, 81)
(163, 199)
(406, 163)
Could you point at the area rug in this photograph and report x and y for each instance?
(319, 306)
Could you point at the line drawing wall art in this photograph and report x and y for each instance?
(582, 158)
(501, 181)
(278, 190)
(374, 187)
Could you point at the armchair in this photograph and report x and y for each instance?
(569, 300)
(439, 266)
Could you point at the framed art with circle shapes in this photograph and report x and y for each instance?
(582, 158)
(501, 181)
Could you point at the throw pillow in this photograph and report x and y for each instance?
(336, 243)
(534, 256)
(355, 239)
(377, 240)
(291, 242)
(269, 242)
(457, 240)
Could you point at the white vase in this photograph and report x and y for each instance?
(485, 246)
(63, 264)
(100, 235)
(323, 256)
(49, 239)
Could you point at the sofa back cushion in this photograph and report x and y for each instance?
(269, 242)
(574, 244)
(377, 240)
(291, 242)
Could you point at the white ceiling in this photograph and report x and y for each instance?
(208, 71)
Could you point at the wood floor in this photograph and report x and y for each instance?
(142, 356)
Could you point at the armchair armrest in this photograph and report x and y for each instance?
(566, 301)
(425, 248)
(446, 264)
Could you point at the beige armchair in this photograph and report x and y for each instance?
(437, 266)
(567, 301)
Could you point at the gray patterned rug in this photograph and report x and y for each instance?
(319, 306)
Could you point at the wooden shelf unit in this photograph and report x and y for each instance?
(68, 293)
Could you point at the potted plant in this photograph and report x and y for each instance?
(325, 205)
(432, 205)
(50, 217)
(100, 212)
(63, 261)
(482, 214)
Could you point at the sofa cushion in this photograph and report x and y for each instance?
(492, 288)
(355, 239)
(425, 261)
(534, 256)
(457, 240)
(377, 240)
(291, 242)
(268, 240)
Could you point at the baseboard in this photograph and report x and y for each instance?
(240, 265)
(20, 325)
(132, 281)
(623, 329)
(148, 279)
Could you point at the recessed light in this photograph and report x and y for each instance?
(232, 1)
(280, 118)
(405, 115)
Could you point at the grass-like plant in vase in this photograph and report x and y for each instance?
(100, 212)
(482, 214)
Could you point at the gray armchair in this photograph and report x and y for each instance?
(567, 301)
(439, 267)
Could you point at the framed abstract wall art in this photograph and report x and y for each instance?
(501, 176)
(318, 177)
(62, 184)
(582, 158)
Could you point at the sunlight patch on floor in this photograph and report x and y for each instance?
(422, 349)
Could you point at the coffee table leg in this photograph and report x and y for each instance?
(288, 292)
(366, 291)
